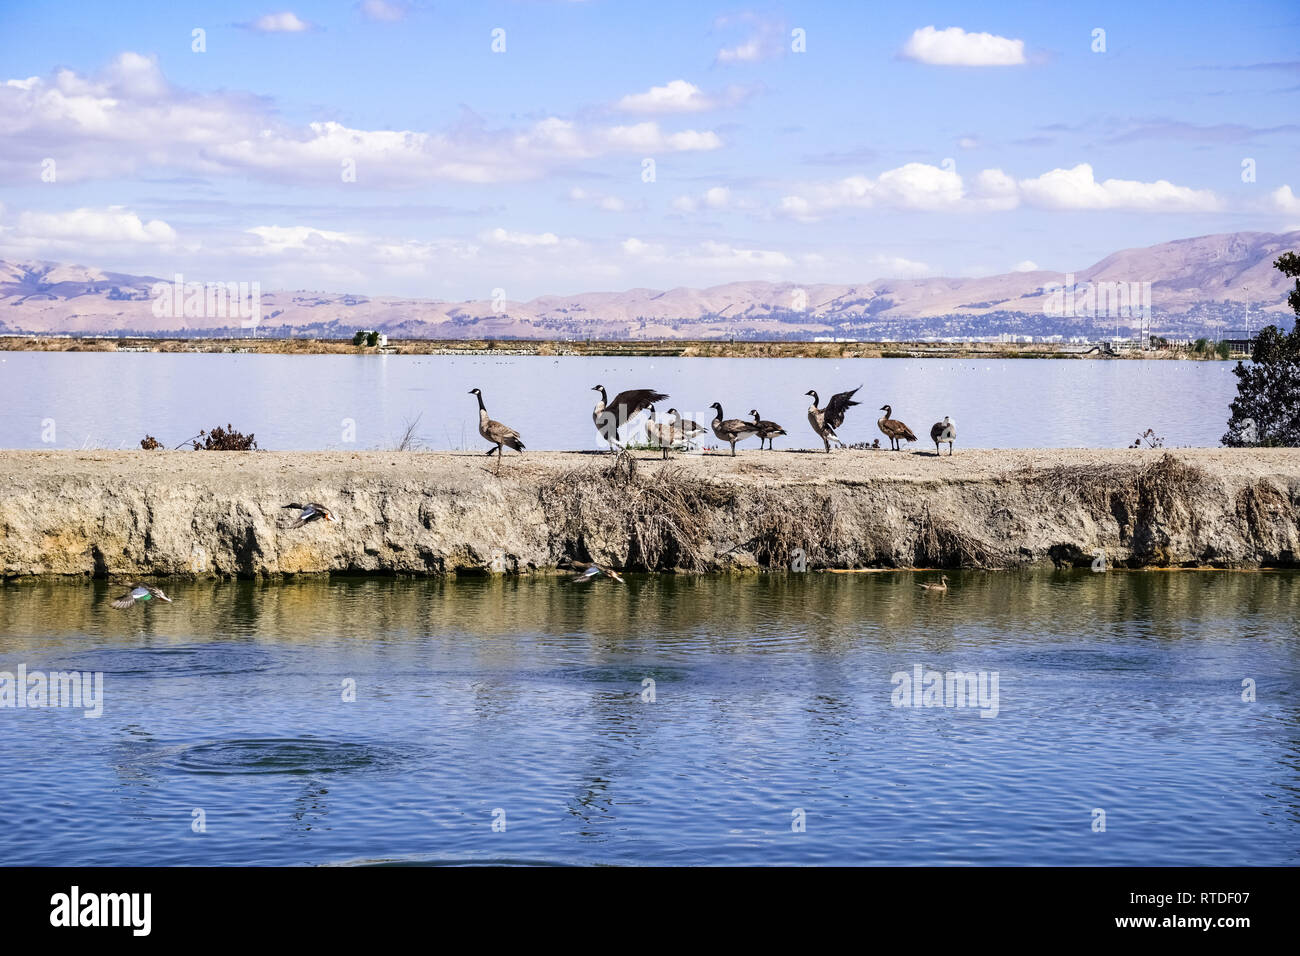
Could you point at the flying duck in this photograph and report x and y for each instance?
(310, 512)
(894, 430)
(494, 431)
(732, 429)
(766, 430)
(943, 431)
(584, 572)
(139, 592)
(824, 421)
(611, 416)
(941, 586)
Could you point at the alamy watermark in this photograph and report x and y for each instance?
(1091, 300)
(926, 688)
(179, 299)
(82, 690)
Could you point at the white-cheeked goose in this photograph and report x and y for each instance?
(825, 421)
(766, 430)
(944, 431)
(894, 430)
(495, 432)
(731, 429)
(609, 416)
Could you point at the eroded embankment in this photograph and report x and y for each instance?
(207, 513)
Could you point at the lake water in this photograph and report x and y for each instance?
(111, 400)
(524, 701)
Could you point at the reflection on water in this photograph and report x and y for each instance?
(676, 719)
(295, 402)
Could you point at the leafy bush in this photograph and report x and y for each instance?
(149, 443)
(224, 439)
(359, 338)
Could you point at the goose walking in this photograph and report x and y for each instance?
(941, 586)
(766, 430)
(611, 416)
(944, 431)
(310, 512)
(663, 433)
(494, 431)
(688, 429)
(139, 592)
(894, 430)
(731, 429)
(824, 421)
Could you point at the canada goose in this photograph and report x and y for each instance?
(494, 431)
(688, 429)
(824, 421)
(139, 592)
(584, 572)
(894, 430)
(732, 429)
(766, 430)
(663, 433)
(941, 586)
(611, 416)
(943, 431)
(310, 512)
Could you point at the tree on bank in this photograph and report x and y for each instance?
(1266, 411)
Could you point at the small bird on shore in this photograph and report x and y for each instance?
(766, 430)
(941, 586)
(139, 592)
(688, 429)
(894, 430)
(731, 429)
(584, 571)
(825, 421)
(494, 431)
(944, 431)
(310, 512)
(609, 416)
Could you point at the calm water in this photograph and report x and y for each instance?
(1119, 692)
(307, 402)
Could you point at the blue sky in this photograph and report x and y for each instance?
(904, 139)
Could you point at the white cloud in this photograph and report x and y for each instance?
(1077, 188)
(1026, 265)
(678, 96)
(896, 267)
(717, 197)
(505, 237)
(1285, 200)
(955, 47)
(109, 125)
(383, 10)
(601, 201)
(108, 225)
(286, 22)
(919, 186)
(764, 39)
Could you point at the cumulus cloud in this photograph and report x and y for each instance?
(764, 38)
(601, 201)
(128, 118)
(384, 11)
(286, 22)
(679, 96)
(955, 47)
(508, 238)
(920, 186)
(111, 224)
(1285, 200)
(715, 198)
(1026, 265)
(711, 256)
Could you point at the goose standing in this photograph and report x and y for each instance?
(941, 586)
(611, 416)
(310, 512)
(943, 431)
(688, 429)
(766, 430)
(139, 592)
(664, 434)
(894, 430)
(494, 431)
(824, 421)
(731, 429)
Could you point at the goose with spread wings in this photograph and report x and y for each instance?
(825, 421)
(609, 416)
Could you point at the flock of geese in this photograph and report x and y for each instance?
(678, 433)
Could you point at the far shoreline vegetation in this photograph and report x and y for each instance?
(360, 344)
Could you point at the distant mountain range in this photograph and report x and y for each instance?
(1197, 287)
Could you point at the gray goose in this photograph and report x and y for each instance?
(688, 429)
(731, 429)
(611, 416)
(310, 512)
(141, 593)
(894, 430)
(494, 431)
(824, 421)
(766, 430)
(943, 431)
